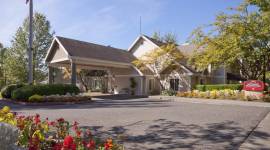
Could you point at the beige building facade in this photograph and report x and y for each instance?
(74, 55)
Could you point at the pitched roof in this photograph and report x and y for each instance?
(90, 50)
(155, 41)
(188, 49)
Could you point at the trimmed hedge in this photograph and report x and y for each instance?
(27, 91)
(7, 90)
(35, 98)
(219, 87)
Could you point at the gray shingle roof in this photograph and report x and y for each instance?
(157, 42)
(90, 50)
(188, 49)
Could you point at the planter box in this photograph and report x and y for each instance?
(253, 95)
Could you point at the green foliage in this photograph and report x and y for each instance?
(219, 87)
(200, 87)
(2, 63)
(157, 36)
(240, 39)
(7, 90)
(168, 93)
(35, 98)
(170, 38)
(15, 64)
(27, 91)
(166, 38)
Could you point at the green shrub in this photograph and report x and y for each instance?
(219, 87)
(200, 87)
(7, 90)
(25, 92)
(168, 92)
(35, 98)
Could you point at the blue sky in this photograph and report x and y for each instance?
(114, 22)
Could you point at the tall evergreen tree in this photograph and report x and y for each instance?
(2, 60)
(16, 66)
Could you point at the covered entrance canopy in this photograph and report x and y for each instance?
(75, 55)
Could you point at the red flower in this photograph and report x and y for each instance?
(75, 125)
(78, 133)
(68, 143)
(36, 119)
(61, 120)
(52, 123)
(57, 146)
(109, 144)
(34, 143)
(91, 144)
(88, 132)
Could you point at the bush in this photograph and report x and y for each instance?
(7, 90)
(35, 98)
(219, 87)
(200, 87)
(168, 92)
(25, 92)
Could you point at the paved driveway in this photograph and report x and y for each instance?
(149, 123)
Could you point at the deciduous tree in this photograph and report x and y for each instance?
(239, 40)
(158, 59)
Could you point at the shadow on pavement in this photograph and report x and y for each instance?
(164, 134)
(119, 97)
(100, 103)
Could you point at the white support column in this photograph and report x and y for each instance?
(73, 73)
(142, 89)
(50, 75)
(109, 81)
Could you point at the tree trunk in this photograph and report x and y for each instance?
(83, 83)
(159, 81)
(264, 69)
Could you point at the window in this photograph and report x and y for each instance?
(174, 84)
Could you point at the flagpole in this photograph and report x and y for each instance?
(30, 46)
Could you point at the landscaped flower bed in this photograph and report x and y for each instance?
(220, 94)
(215, 94)
(37, 134)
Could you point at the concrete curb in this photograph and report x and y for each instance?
(214, 101)
(44, 103)
(259, 138)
